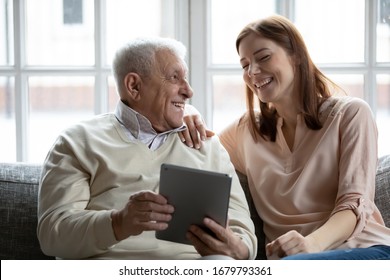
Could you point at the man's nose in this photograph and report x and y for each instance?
(187, 89)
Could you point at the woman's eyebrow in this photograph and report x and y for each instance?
(256, 52)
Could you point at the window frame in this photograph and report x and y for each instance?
(192, 19)
(201, 75)
(99, 71)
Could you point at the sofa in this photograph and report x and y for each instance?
(18, 208)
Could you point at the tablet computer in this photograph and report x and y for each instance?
(195, 194)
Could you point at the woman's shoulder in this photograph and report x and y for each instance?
(336, 105)
(245, 118)
(240, 126)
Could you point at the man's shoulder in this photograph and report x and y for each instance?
(93, 121)
(91, 125)
(213, 145)
(213, 140)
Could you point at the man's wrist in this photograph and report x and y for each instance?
(243, 250)
(116, 222)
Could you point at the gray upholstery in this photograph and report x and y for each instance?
(18, 208)
(382, 191)
(18, 211)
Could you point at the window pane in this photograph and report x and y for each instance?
(7, 120)
(228, 17)
(56, 103)
(229, 100)
(383, 113)
(128, 19)
(112, 94)
(332, 29)
(6, 33)
(50, 41)
(353, 85)
(383, 31)
(73, 11)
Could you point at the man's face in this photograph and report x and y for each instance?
(163, 95)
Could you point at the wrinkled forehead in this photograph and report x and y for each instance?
(167, 60)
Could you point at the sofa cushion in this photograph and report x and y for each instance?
(18, 211)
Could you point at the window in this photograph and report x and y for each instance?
(55, 57)
(227, 85)
(73, 11)
(351, 46)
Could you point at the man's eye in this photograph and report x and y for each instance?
(244, 66)
(175, 77)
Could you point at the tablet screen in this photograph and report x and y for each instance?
(195, 194)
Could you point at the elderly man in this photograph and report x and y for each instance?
(98, 193)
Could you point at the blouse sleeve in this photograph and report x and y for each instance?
(229, 138)
(358, 162)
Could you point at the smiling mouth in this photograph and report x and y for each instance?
(179, 105)
(263, 83)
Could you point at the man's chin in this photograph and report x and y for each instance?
(168, 127)
(177, 125)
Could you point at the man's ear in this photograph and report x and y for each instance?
(132, 83)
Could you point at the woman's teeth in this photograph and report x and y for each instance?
(263, 83)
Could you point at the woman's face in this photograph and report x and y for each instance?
(268, 69)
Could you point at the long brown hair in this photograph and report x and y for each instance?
(312, 85)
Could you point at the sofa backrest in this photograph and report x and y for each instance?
(382, 188)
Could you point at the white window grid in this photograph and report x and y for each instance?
(100, 71)
(192, 19)
(203, 71)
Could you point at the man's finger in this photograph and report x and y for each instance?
(149, 196)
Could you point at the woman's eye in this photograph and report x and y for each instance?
(264, 58)
(244, 66)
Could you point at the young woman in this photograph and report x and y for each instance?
(310, 157)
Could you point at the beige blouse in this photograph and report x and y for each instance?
(328, 170)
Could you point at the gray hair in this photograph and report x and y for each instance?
(138, 56)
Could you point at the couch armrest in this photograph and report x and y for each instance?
(18, 211)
